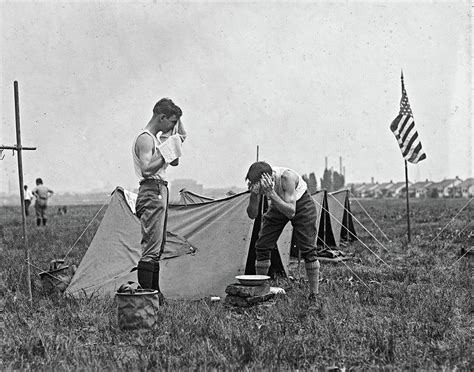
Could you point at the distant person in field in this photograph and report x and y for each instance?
(156, 147)
(62, 210)
(28, 197)
(42, 193)
(289, 200)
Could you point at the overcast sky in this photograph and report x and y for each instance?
(301, 80)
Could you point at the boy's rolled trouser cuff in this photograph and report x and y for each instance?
(312, 271)
(262, 267)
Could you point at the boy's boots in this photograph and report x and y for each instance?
(149, 276)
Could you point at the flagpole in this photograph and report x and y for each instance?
(408, 201)
(403, 127)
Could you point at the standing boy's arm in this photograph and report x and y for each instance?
(144, 148)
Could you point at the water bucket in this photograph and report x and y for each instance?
(137, 310)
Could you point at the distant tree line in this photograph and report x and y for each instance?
(331, 181)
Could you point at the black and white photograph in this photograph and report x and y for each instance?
(236, 185)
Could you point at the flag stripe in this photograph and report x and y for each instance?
(416, 153)
(404, 125)
(410, 131)
(410, 147)
(419, 157)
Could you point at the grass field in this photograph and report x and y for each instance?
(411, 311)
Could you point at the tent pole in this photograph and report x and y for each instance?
(408, 202)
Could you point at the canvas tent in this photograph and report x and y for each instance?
(188, 197)
(342, 224)
(208, 246)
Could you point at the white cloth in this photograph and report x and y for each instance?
(28, 195)
(277, 290)
(131, 199)
(171, 148)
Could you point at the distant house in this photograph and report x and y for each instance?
(382, 190)
(397, 190)
(369, 190)
(447, 188)
(420, 189)
(356, 188)
(467, 188)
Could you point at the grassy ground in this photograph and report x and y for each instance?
(410, 309)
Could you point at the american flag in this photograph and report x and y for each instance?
(403, 127)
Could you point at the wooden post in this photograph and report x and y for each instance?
(408, 201)
(18, 148)
(22, 191)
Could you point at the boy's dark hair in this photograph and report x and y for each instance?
(256, 171)
(166, 106)
(39, 181)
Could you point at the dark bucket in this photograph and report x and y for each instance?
(138, 310)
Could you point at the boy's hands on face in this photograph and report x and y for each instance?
(266, 184)
(262, 187)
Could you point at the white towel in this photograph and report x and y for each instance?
(277, 290)
(171, 148)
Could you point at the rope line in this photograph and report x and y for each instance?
(349, 268)
(45, 272)
(452, 219)
(460, 232)
(367, 213)
(365, 245)
(93, 218)
(363, 227)
(462, 256)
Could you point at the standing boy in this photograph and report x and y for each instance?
(154, 148)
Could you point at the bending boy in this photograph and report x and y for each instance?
(289, 201)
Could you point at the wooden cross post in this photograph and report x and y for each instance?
(18, 148)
